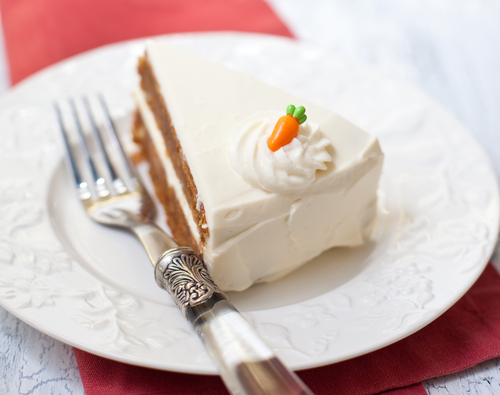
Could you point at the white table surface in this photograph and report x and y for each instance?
(449, 48)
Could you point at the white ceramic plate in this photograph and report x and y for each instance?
(93, 287)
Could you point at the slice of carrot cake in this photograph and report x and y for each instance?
(254, 179)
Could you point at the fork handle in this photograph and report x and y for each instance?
(246, 363)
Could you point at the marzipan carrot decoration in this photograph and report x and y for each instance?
(287, 127)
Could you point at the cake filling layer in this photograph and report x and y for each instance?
(156, 103)
(176, 220)
(161, 150)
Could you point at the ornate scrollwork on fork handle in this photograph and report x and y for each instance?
(183, 274)
(252, 366)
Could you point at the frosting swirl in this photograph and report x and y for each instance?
(288, 170)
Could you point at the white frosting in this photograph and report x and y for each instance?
(291, 169)
(256, 235)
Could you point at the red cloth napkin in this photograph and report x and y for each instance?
(41, 32)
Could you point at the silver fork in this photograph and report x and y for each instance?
(110, 191)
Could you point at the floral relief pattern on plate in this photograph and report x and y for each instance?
(28, 281)
(114, 314)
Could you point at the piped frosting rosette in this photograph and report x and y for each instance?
(290, 169)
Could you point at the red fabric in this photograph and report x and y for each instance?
(467, 334)
(41, 32)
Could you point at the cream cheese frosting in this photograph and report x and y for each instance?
(291, 169)
(263, 223)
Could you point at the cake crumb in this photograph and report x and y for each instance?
(199, 202)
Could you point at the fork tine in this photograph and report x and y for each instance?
(82, 186)
(96, 133)
(118, 184)
(100, 183)
(116, 139)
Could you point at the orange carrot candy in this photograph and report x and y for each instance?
(287, 127)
